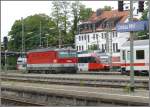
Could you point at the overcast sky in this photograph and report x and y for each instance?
(14, 10)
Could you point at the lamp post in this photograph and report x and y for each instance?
(149, 44)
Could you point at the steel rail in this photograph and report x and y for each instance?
(20, 101)
(115, 83)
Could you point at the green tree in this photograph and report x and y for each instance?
(79, 13)
(31, 31)
(143, 34)
(85, 13)
(107, 8)
(75, 10)
(93, 47)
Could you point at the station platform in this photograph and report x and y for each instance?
(119, 95)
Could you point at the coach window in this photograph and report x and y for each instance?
(139, 54)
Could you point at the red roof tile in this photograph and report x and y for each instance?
(108, 15)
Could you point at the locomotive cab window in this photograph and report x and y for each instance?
(67, 54)
(139, 54)
(87, 60)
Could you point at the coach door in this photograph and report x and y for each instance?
(83, 64)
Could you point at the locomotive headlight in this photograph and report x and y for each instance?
(55, 61)
(69, 61)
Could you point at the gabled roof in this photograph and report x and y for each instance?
(123, 15)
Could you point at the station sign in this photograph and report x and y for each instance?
(132, 26)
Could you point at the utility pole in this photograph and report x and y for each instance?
(97, 42)
(40, 35)
(0, 61)
(131, 51)
(109, 44)
(86, 43)
(23, 44)
(149, 44)
(60, 42)
(110, 50)
(47, 41)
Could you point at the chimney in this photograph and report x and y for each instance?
(99, 12)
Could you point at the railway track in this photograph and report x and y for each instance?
(93, 82)
(5, 100)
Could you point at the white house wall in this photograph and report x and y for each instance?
(120, 39)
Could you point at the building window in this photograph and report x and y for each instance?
(137, 11)
(123, 55)
(88, 38)
(102, 35)
(82, 47)
(77, 48)
(113, 47)
(79, 38)
(96, 36)
(105, 35)
(84, 37)
(93, 36)
(113, 34)
(139, 54)
(127, 7)
(104, 46)
(116, 34)
(117, 50)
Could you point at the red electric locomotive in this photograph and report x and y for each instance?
(49, 60)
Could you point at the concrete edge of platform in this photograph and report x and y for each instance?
(105, 97)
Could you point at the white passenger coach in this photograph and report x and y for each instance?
(141, 56)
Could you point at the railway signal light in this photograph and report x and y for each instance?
(5, 41)
(141, 6)
(120, 5)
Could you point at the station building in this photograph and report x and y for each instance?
(100, 30)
